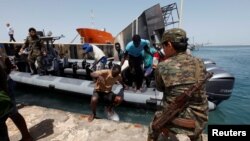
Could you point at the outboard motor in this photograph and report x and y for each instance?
(220, 86)
(208, 61)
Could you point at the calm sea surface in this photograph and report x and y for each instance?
(236, 110)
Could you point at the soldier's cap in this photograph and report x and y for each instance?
(174, 35)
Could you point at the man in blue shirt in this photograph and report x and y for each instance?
(133, 52)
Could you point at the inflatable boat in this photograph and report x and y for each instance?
(72, 75)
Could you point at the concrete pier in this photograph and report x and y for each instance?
(55, 125)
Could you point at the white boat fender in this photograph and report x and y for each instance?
(112, 116)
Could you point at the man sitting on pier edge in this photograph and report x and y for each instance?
(105, 79)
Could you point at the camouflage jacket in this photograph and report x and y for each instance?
(34, 44)
(179, 73)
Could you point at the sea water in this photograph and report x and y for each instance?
(235, 60)
(235, 110)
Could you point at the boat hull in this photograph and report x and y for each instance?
(95, 36)
(85, 87)
(218, 88)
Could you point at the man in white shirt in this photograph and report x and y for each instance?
(10, 32)
(97, 53)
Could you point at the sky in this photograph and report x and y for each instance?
(218, 22)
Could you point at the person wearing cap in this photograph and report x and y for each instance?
(95, 52)
(10, 32)
(133, 52)
(173, 76)
(36, 51)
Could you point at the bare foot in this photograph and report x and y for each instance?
(91, 118)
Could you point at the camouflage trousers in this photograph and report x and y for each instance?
(34, 56)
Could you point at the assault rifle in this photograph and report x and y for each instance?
(177, 106)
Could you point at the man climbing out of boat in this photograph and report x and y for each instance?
(133, 52)
(174, 77)
(36, 52)
(105, 79)
(95, 52)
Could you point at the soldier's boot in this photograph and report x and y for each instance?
(41, 71)
(32, 69)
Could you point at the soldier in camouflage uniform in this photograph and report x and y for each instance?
(175, 75)
(36, 51)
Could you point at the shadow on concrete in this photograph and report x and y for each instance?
(42, 129)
